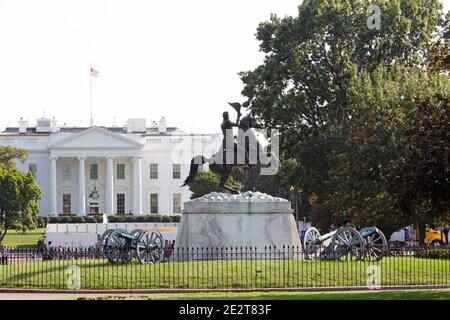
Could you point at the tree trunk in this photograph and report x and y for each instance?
(422, 232)
(2, 235)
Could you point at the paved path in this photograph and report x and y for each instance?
(49, 296)
(56, 296)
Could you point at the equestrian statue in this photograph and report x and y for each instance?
(241, 151)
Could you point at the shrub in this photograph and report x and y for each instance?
(153, 218)
(119, 219)
(91, 219)
(145, 218)
(53, 220)
(433, 253)
(130, 219)
(140, 219)
(166, 219)
(63, 220)
(77, 219)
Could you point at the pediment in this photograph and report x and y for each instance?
(95, 138)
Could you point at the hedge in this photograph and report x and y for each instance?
(433, 253)
(111, 219)
(146, 218)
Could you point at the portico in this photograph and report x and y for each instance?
(106, 164)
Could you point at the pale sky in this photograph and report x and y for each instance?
(172, 58)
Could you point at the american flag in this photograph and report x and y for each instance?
(94, 72)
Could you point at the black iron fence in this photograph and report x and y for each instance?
(220, 268)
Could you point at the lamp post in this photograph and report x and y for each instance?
(294, 198)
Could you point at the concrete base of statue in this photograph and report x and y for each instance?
(252, 225)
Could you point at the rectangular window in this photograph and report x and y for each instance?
(66, 203)
(120, 203)
(177, 203)
(67, 168)
(33, 169)
(120, 169)
(153, 203)
(93, 172)
(176, 171)
(153, 171)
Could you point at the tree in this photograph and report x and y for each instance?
(278, 185)
(422, 176)
(9, 155)
(19, 193)
(338, 93)
(382, 106)
(206, 182)
(438, 53)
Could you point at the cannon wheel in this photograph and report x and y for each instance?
(347, 245)
(311, 244)
(100, 245)
(376, 246)
(149, 247)
(136, 234)
(117, 248)
(105, 236)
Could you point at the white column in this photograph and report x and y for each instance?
(53, 201)
(109, 205)
(138, 184)
(133, 197)
(81, 186)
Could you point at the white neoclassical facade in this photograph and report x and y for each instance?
(113, 170)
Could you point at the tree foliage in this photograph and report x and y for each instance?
(9, 155)
(342, 96)
(19, 193)
(206, 182)
(422, 176)
(278, 185)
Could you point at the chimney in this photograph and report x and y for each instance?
(136, 125)
(162, 125)
(53, 125)
(23, 124)
(129, 126)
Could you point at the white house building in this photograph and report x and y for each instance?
(114, 170)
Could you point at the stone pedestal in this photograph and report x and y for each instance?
(254, 224)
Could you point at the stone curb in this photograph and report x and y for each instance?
(166, 291)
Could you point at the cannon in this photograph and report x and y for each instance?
(376, 245)
(120, 246)
(345, 244)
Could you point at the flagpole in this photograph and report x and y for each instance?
(90, 86)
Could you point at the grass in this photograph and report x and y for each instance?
(17, 239)
(376, 295)
(99, 274)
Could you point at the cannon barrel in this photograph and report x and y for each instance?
(326, 236)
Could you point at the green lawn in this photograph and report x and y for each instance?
(99, 274)
(376, 295)
(28, 239)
